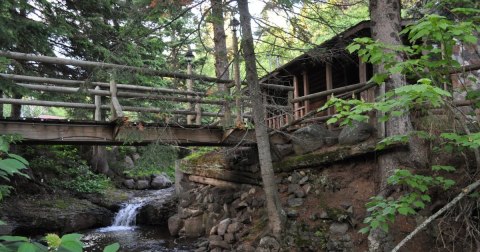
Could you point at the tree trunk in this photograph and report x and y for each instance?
(386, 25)
(221, 59)
(274, 207)
(16, 111)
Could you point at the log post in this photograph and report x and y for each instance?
(189, 89)
(115, 106)
(329, 86)
(98, 106)
(306, 91)
(296, 105)
(291, 110)
(198, 116)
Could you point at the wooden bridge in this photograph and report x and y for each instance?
(178, 127)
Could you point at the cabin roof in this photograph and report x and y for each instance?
(326, 51)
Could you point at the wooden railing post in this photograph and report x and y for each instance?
(329, 86)
(190, 89)
(290, 115)
(198, 116)
(296, 105)
(98, 106)
(115, 106)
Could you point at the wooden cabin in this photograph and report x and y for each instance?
(329, 69)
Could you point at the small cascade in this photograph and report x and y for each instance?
(125, 219)
(127, 215)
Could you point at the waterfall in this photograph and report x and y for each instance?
(125, 219)
(127, 215)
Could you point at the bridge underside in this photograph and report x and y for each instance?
(38, 131)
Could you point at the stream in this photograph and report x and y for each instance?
(133, 238)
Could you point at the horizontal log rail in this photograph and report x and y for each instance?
(332, 91)
(70, 90)
(105, 107)
(95, 83)
(83, 63)
(276, 87)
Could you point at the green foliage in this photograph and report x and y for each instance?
(155, 159)
(427, 60)
(83, 180)
(70, 171)
(383, 211)
(10, 164)
(66, 243)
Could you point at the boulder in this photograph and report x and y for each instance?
(160, 181)
(268, 244)
(295, 202)
(338, 228)
(194, 227)
(129, 183)
(128, 162)
(142, 184)
(174, 225)
(60, 213)
(355, 133)
(229, 238)
(310, 138)
(219, 244)
(234, 227)
(157, 212)
(223, 225)
(245, 248)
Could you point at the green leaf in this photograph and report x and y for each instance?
(71, 246)
(419, 204)
(19, 158)
(14, 238)
(27, 247)
(403, 210)
(71, 237)
(11, 166)
(443, 168)
(426, 198)
(112, 247)
(364, 230)
(353, 47)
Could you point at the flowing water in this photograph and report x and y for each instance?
(134, 238)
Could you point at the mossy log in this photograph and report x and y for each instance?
(213, 182)
(329, 155)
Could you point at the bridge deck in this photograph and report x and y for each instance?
(51, 131)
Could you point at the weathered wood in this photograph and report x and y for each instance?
(296, 105)
(222, 174)
(105, 107)
(102, 133)
(98, 106)
(72, 62)
(213, 182)
(329, 92)
(306, 91)
(290, 111)
(116, 108)
(276, 87)
(189, 88)
(123, 94)
(328, 156)
(47, 103)
(78, 83)
(329, 86)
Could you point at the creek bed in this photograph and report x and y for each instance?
(135, 239)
